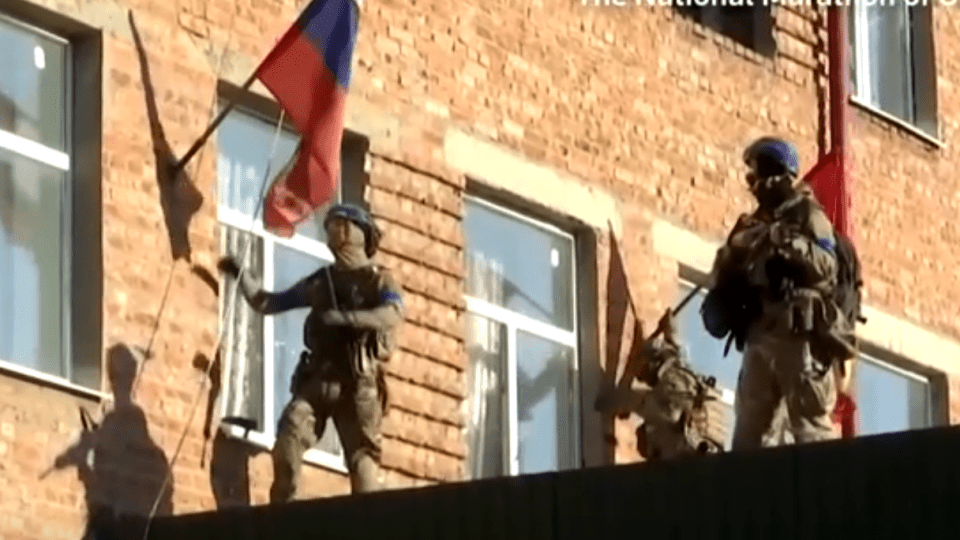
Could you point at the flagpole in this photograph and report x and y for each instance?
(839, 94)
(214, 124)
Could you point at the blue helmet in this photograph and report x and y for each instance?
(770, 156)
(361, 217)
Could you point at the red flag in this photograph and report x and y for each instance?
(308, 72)
(844, 415)
(826, 179)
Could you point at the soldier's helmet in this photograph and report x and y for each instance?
(362, 219)
(770, 156)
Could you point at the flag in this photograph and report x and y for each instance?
(308, 72)
(826, 180)
(844, 415)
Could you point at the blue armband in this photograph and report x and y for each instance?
(390, 297)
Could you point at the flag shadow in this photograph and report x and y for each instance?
(617, 397)
(179, 197)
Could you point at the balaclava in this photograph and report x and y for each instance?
(347, 241)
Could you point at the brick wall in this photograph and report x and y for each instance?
(639, 102)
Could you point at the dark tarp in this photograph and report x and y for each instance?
(891, 486)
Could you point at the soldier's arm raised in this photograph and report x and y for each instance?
(263, 301)
(387, 314)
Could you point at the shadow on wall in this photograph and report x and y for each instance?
(230, 458)
(618, 398)
(230, 471)
(179, 197)
(121, 468)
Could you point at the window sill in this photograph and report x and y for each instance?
(57, 383)
(260, 440)
(902, 124)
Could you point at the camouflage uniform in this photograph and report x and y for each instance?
(356, 307)
(788, 356)
(678, 420)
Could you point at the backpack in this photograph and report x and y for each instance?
(847, 294)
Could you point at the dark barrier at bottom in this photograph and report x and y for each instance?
(890, 486)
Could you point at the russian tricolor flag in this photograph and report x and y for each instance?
(308, 73)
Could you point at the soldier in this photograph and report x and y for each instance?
(774, 285)
(677, 418)
(355, 310)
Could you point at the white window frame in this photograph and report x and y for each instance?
(864, 92)
(265, 436)
(881, 364)
(921, 99)
(513, 322)
(61, 161)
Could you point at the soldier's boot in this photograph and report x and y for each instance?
(363, 477)
(295, 435)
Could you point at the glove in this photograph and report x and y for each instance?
(746, 238)
(228, 265)
(779, 235)
(667, 325)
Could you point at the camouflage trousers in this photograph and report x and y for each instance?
(677, 418)
(356, 407)
(778, 377)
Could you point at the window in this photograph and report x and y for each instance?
(748, 25)
(262, 352)
(523, 415)
(37, 175)
(890, 399)
(705, 354)
(892, 61)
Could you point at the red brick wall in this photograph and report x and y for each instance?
(638, 101)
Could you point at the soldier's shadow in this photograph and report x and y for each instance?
(179, 197)
(123, 471)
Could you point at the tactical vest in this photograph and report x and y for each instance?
(769, 271)
(345, 353)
